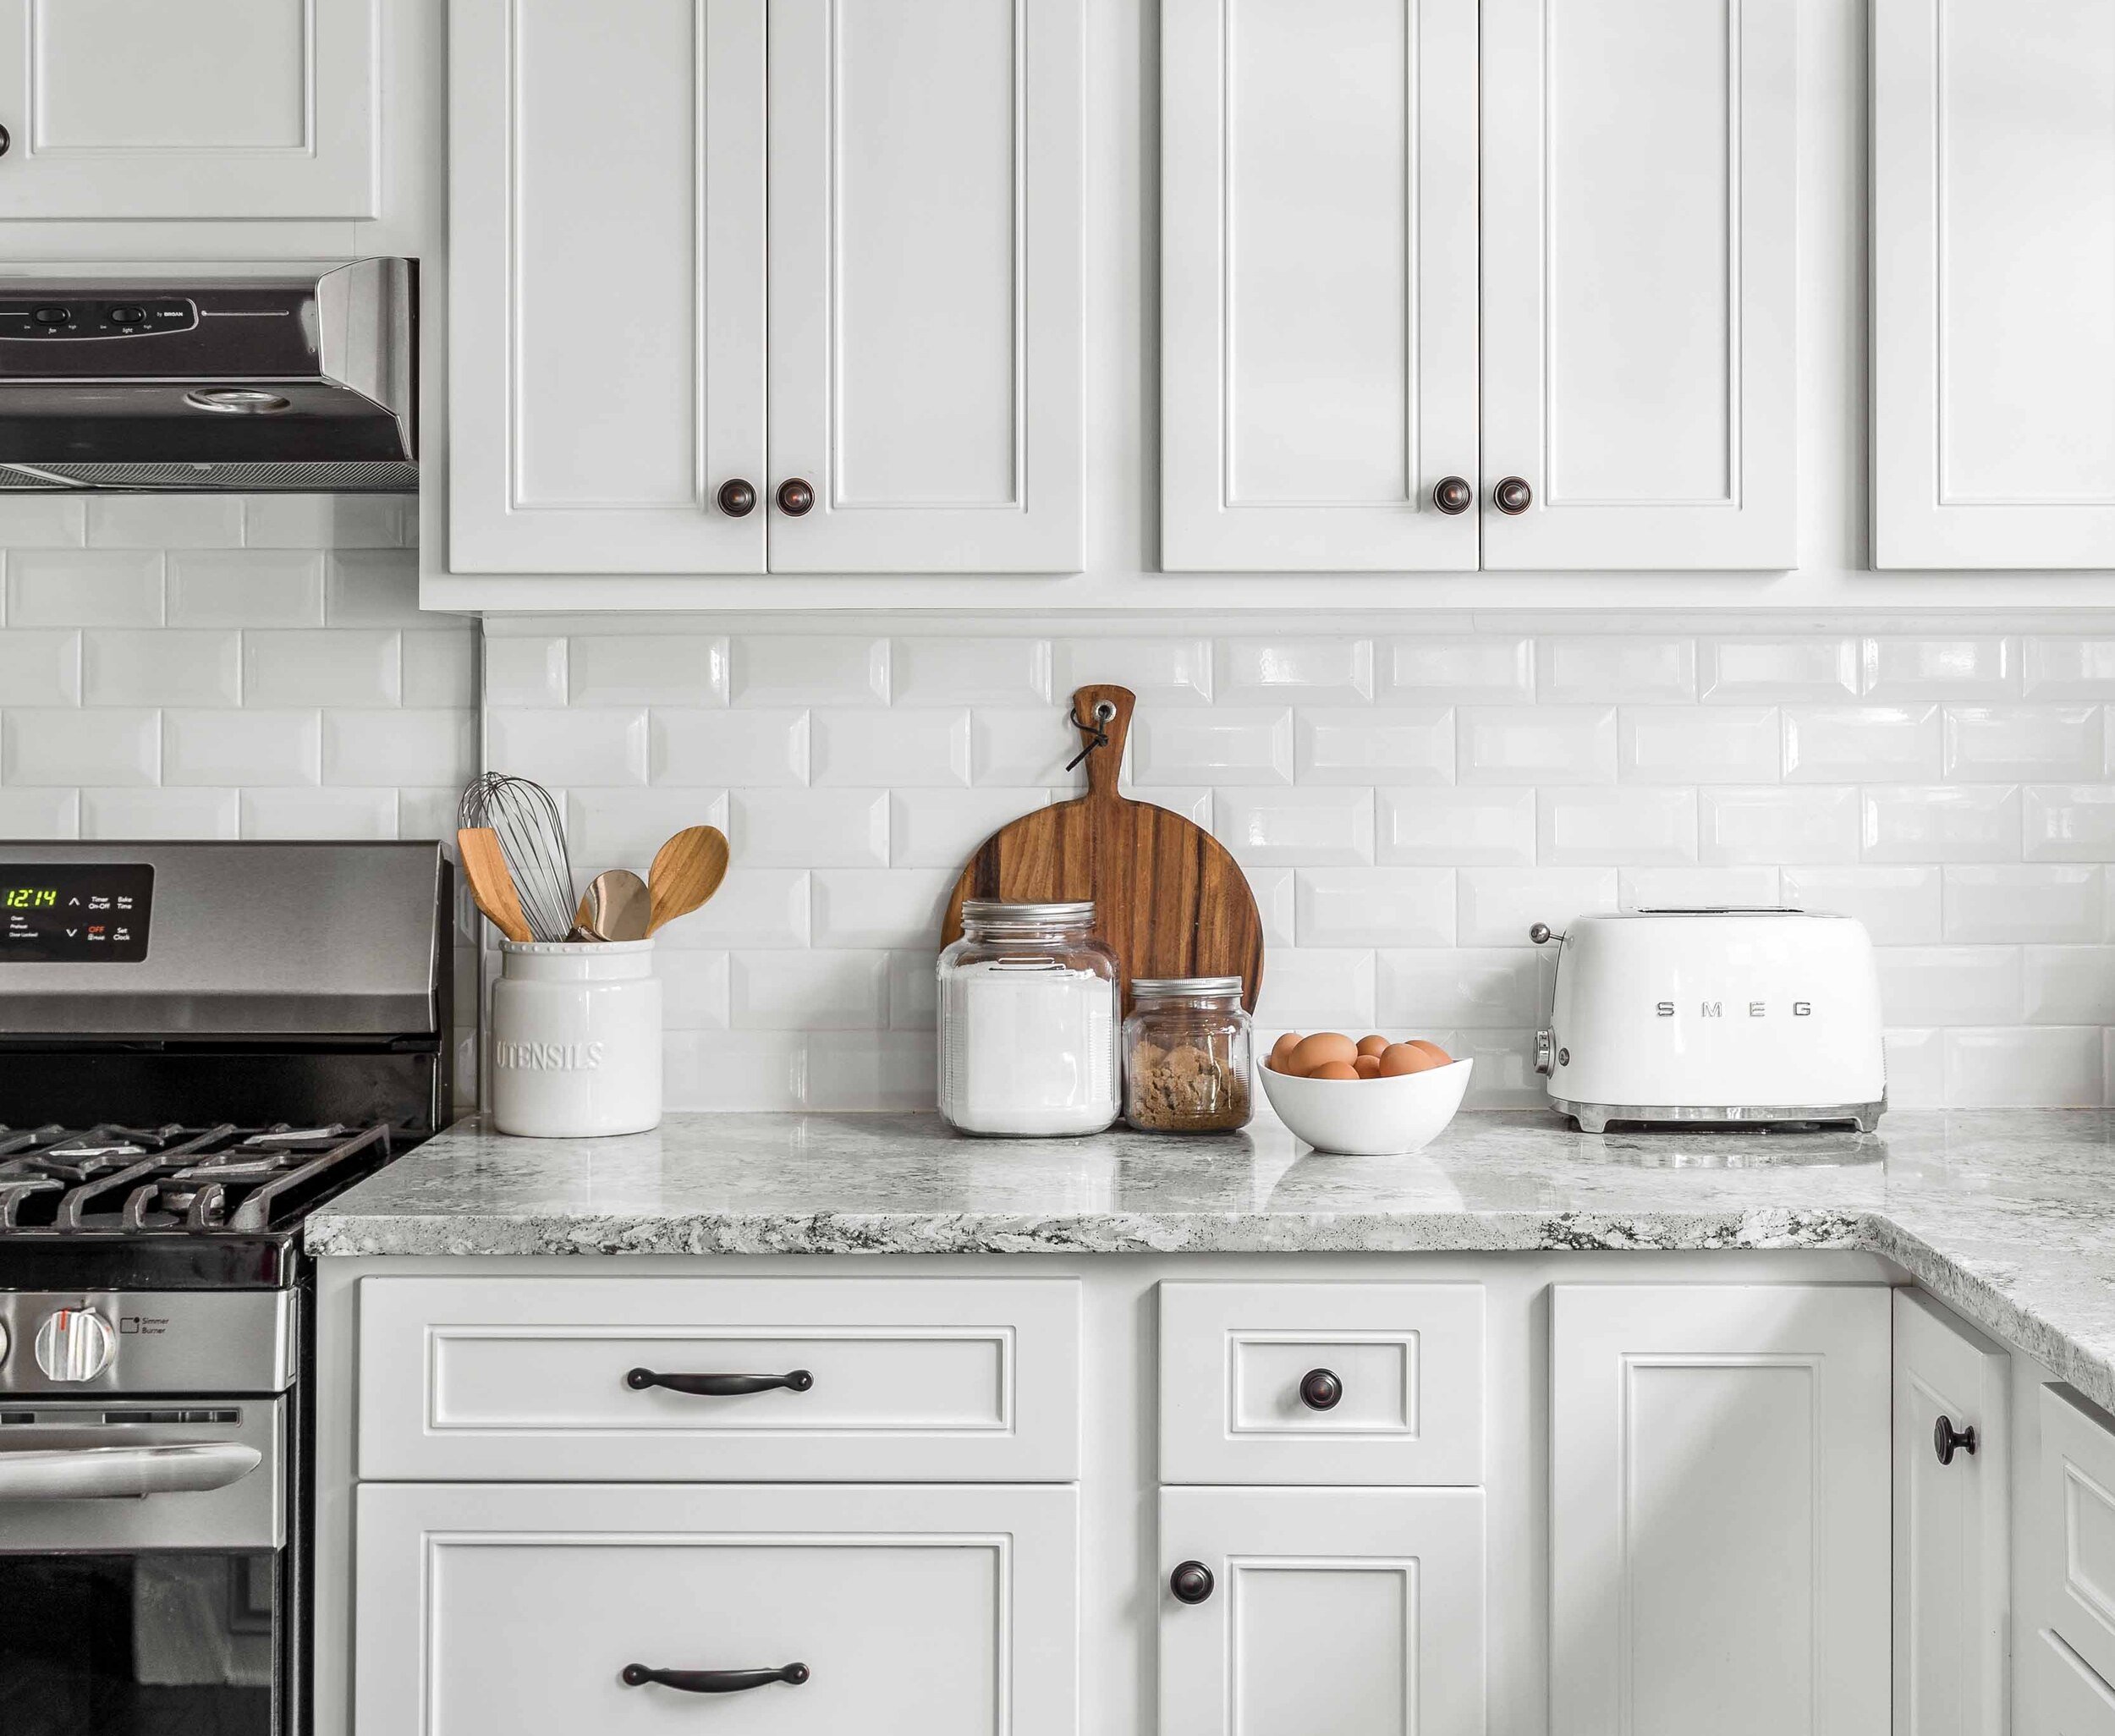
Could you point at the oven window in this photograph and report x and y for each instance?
(138, 1644)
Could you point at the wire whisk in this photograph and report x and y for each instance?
(523, 816)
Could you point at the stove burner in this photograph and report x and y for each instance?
(106, 1178)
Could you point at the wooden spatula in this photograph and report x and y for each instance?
(687, 870)
(484, 867)
(614, 907)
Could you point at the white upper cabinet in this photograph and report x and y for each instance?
(1638, 163)
(116, 108)
(925, 341)
(1318, 329)
(642, 383)
(1993, 243)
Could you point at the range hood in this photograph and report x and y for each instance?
(295, 379)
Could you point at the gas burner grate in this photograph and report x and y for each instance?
(59, 1180)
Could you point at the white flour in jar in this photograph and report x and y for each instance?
(1028, 1047)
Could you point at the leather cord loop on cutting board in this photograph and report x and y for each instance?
(1169, 899)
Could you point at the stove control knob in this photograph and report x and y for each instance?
(5, 1346)
(74, 1344)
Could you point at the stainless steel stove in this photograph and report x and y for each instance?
(198, 1043)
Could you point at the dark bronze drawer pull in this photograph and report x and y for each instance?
(719, 1385)
(714, 1681)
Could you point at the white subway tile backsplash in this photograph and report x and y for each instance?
(1275, 891)
(638, 669)
(1616, 668)
(934, 670)
(328, 521)
(165, 521)
(84, 588)
(1967, 667)
(1159, 671)
(938, 828)
(1463, 986)
(1853, 744)
(1295, 827)
(1505, 1076)
(42, 521)
(319, 813)
(913, 747)
(2069, 986)
(1691, 888)
(1811, 669)
(2019, 1065)
(1937, 823)
(810, 991)
(1021, 748)
(1319, 988)
(694, 988)
(1254, 672)
(621, 828)
(1697, 744)
(40, 813)
(1383, 907)
(40, 667)
(1536, 744)
(587, 745)
(1496, 907)
(1225, 744)
(160, 666)
(242, 747)
(425, 810)
(791, 669)
(1899, 906)
(879, 907)
(525, 672)
(710, 748)
(320, 666)
(809, 828)
(871, 1069)
(67, 746)
(2076, 668)
(1388, 744)
(2069, 822)
(913, 989)
(1946, 985)
(405, 746)
(246, 588)
(1451, 826)
(1635, 823)
(366, 587)
(1998, 744)
(1781, 823)
(1487, 669)
(2051, 903)
(439, 668)
(160, 813)
(754, 908)
(1916, 1070)
(752, 1070)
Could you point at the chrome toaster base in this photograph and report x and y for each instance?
(1594, 1117)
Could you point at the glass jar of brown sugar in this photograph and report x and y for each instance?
(1188, 1045)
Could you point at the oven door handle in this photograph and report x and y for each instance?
(101, 1473)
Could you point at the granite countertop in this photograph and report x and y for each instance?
(2003, 1214)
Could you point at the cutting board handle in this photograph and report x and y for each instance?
(1103, 711)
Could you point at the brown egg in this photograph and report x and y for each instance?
(1405, 1057)
(1335, 1069)
(1440, 1056)
(1372, 1046)
(1324, 1046)
(1281, 1056)
(1367, 1066)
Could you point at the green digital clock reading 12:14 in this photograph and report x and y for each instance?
(28, 897)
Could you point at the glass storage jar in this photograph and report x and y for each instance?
(1028, 1021)
(1187, 1046)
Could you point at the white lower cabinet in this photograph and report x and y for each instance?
(1719, 1510)
(1352, 1611)
(532, 1610)
(2074, 1701)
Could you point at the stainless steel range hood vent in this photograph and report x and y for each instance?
(277, 379)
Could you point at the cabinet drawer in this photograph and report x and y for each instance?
(2077, 1509)
(1322, 1383)
(907, 1380)
(519, 1609)
(2074, 1701)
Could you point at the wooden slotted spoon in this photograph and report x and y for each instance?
(484, 867)
(687, 870)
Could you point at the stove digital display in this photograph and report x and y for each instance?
(65, 913)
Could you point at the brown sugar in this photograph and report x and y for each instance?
(1183, 1088)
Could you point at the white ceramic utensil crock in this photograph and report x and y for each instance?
(576, 1039)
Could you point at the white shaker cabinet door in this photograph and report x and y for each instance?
(927, 342)
(1318, 285)
(1349, 1611)
(1638, 255)
(209, 108)
(521, 1611)
(1994, 243)
(1952, 1553)
(1718, 1509)
(606, 304)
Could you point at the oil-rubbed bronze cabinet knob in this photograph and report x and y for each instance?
(1453, 495)
(1191, 1582)
(6, 140)
(1513, 497)
(1320, 1389)
(738, 498)
(1947, 1440)
(796, 497)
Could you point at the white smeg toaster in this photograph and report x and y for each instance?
(1677, 1017)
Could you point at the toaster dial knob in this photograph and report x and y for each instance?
(1545, 1050)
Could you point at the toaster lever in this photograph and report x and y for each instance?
(1545, 1051)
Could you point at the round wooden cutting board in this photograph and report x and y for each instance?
(1169, 900)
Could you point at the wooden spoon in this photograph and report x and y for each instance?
(484, 867)
(614, 907)
(687, 870)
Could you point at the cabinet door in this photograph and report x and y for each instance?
(1355, 1612)
(1953, 1551)
(2074, 1701)
(606, 306)
(1993, 239)
(1637, 282)
(515, 1611)
(216, 108)
(926, 344)
(1318, 285)
(1718, 1518)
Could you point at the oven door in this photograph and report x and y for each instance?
(143, 1571)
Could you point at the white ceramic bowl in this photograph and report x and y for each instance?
(1369, 1118)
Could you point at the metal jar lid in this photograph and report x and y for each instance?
(1163, 987)
(1078, 910)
